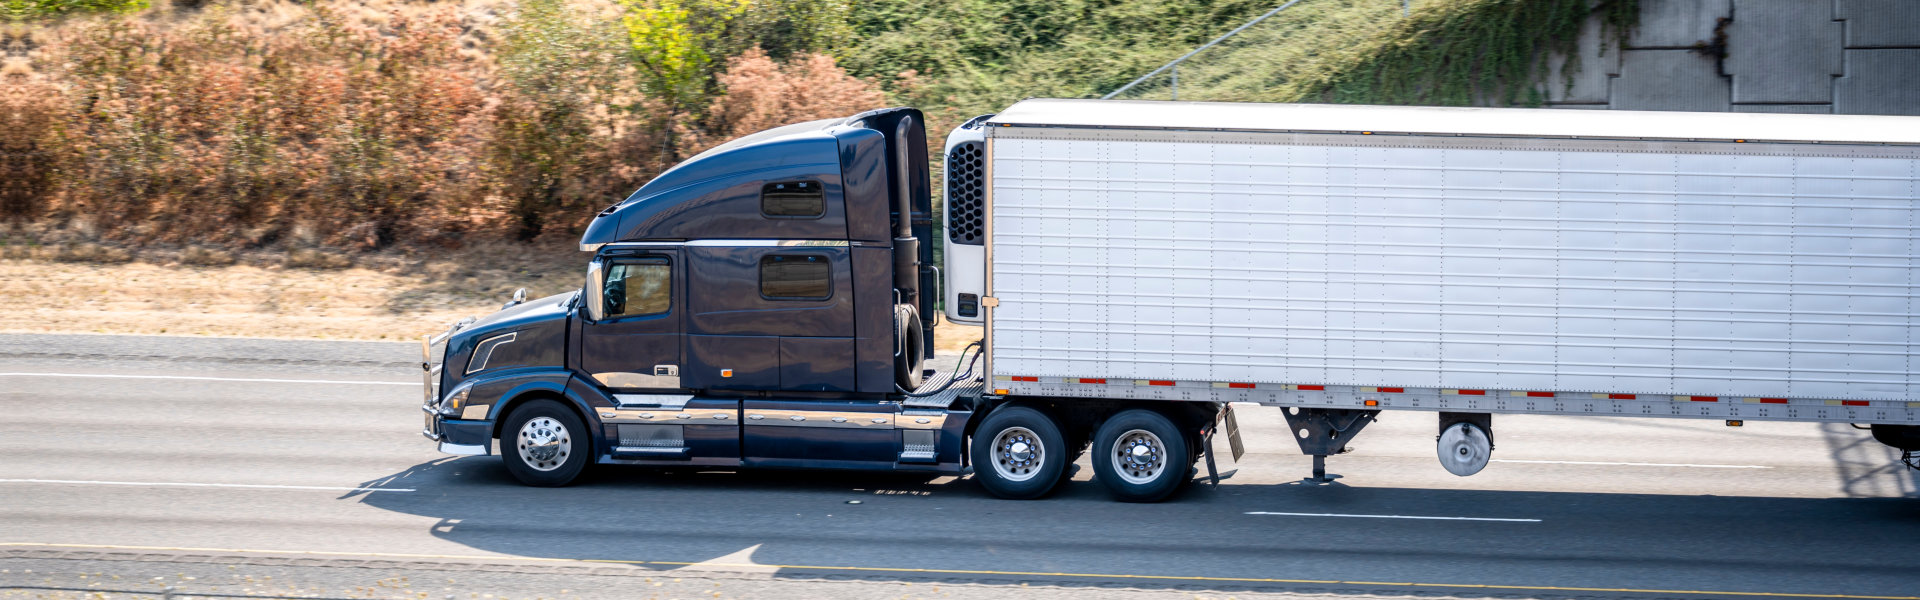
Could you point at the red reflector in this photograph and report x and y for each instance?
(1471, 392)
(1313, 388)
(1160, 382)
(1539, 394)
(1853, 403)
(1619, 396)
(1240, 386)
(1020, 378)
(1084, 380)
(1773, 400)
(1391, 390)
(1704, 399)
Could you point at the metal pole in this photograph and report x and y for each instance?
(1406, 8)
(1176, 82)
(1197, 50)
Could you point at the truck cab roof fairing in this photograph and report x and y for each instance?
(707, 196)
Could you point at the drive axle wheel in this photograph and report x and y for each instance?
(544, 444)
(1140, 456)
(1018, 453)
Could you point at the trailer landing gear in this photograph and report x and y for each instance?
(1323, 432)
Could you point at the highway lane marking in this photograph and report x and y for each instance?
(1628, 464)
(198, 378)
(1294, 514)
(1478, 586)
(257, 486)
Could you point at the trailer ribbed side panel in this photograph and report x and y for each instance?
(1718, 269)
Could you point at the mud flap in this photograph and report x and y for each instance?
(1233, 444)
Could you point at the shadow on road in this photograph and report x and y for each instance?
(852, 525)
(1867, 468)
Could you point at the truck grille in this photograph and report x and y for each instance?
(967, 194)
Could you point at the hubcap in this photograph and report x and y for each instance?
(1017, 454)
(544, 444)
(1139, 456)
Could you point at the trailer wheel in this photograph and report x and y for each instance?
(544, 444)
(1018, 453)
(1140, 456)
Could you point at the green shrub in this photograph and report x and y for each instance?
(14, 10)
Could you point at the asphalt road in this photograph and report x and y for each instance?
(123, 459)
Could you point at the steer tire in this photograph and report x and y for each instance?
(1019, 480)
(558, 463)
(1167, 456)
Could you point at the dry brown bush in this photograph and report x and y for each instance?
(279, 126)
(762, 94)
(210, 128)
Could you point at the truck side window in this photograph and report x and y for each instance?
(639, 287)
(793, 200)
(796, 277)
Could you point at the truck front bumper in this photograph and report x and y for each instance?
(458, 437)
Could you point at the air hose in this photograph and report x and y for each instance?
(958, 377)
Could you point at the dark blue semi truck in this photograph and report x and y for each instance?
(767, 303)
(1138, 267)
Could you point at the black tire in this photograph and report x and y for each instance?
(555, 450)
(1013, 479)
(1161, 445)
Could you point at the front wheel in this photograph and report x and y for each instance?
(1140, 456)
(544, 444)
(1018, 453)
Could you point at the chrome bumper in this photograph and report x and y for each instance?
(432, 432)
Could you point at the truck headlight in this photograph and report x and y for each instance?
(455, 401)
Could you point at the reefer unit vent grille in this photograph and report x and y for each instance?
(967, 194)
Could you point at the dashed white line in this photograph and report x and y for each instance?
(1629, 464)
(216, 485)
(1423, 518)
(197, 378)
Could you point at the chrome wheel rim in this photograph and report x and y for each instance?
(1017, 454)
(1139, 456)
(544, 444)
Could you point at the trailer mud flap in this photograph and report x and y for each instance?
(1233, 443)
(1233, 434)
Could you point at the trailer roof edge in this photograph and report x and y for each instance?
(1469, 121)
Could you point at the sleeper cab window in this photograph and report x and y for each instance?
(639, 286)
(796, 277)
(793, 200)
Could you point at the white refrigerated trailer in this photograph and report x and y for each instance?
(1342, 260)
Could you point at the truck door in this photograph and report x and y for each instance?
(634, 351)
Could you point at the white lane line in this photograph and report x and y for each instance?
(194, 378)
(1294, 514)
(218, 485)
(1628, 464)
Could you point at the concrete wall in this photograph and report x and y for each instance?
(1802, 56)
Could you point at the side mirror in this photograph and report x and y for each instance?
(595, 296)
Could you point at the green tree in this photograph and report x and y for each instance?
(673, 43)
